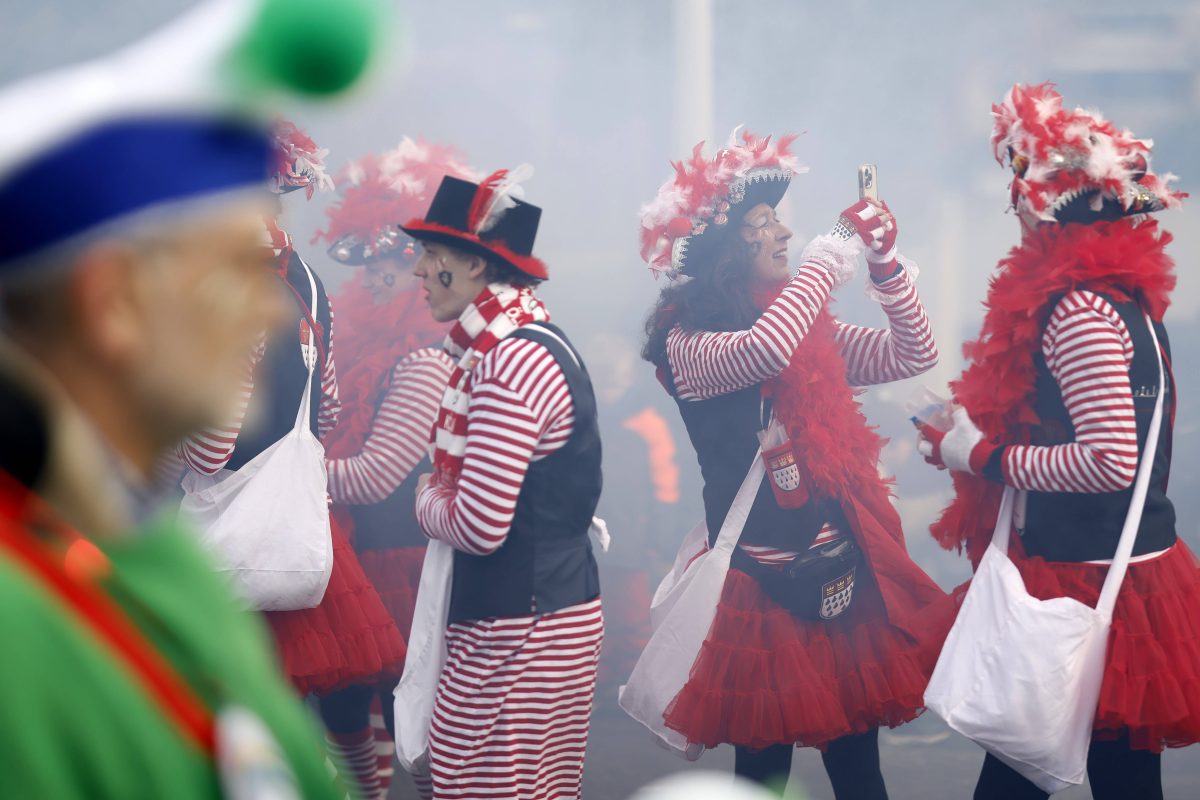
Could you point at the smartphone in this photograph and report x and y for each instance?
(868, 182)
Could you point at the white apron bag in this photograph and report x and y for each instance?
(267, 523)
(682, 613)
(414, 695)
(1021, 676)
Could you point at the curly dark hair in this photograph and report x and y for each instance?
(717, 297)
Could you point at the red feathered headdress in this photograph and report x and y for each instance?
(1070, 165)
(697, 201)
(379, 192)
(298, 162)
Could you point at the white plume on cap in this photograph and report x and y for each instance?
(504, 197)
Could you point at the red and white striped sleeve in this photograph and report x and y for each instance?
(905, 349)
(1089, 351)
(331, 404)
(209, 450)
(520, 411)
(707, 364)
(399, 435)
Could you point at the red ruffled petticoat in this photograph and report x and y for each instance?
(1152, 678)
(764, 677)
(349, 639)
(396, 575)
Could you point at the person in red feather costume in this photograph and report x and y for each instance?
(744, 343)
(1057, 403)
(393, 372)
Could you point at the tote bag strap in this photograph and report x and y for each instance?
(1133, 520)
(735, 519)
(302, 414)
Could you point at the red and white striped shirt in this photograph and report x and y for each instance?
(209, 450)
(399, 435)
(520, 411)
(1089, 352)
(707, 364)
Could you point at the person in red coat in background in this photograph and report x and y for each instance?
(393, 374)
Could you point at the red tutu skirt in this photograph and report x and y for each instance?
(1152, 677)
(764, 677)
(396, 575)
(349, 639)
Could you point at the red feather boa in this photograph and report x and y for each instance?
(1121, 259)
(371, 339)
(839, 450)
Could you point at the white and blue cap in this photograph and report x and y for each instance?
(179, 117)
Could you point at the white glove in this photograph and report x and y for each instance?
(835, 255)
(961, 448)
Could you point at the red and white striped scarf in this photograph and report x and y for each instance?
(498, 311)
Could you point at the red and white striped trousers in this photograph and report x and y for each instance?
(511, 715)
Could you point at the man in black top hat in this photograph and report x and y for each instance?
(515, 485)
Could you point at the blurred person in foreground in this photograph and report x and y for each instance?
(824, 629)
(515, 483)
(347, 639)
(1057, 404)
(392, 376)
(132, 292)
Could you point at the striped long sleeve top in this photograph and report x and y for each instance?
(707, 364)
(399, 435)
(520, 411)
(1089, 352)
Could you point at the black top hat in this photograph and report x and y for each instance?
(468, 216)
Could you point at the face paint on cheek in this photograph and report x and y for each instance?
(445, 278)
(389, 280)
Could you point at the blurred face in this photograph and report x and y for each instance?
(450, 279)
(384, 278)
(199, 302)
(768, 241)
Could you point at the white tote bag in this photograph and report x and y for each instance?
(267, 523)
(1021, 676)
(682, 613)
(414, 695)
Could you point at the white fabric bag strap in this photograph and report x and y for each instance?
(1133, 520)
(735, 519)
(305, 409)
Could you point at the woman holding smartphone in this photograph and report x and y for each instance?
(825, 628)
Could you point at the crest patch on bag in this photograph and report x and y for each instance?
(784, 471)
(836, 595)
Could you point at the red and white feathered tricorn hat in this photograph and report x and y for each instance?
(694, 209)
(1071, 165)
(488, 218)
(381, 191)
(298, 162)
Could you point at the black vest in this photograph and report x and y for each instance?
(392, 522)
(546, 563)
(1075, 526)
(280, 375)
(724, 432)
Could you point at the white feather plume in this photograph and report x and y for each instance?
(505, 197)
